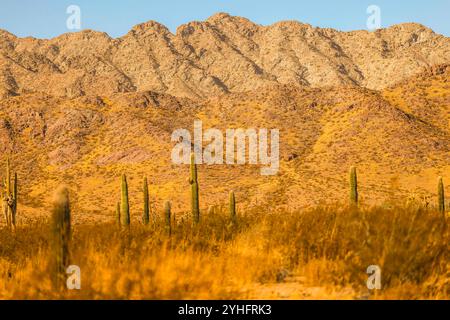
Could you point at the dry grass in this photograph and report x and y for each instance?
(326, 249)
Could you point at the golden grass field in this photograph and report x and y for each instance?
(320, 253)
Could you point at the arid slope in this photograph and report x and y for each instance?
(89, 141)
(83, 108)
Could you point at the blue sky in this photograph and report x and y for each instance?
(47, 18)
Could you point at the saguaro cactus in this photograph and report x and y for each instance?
(441, 195)
(195, 207)
(167, 215)
(125, 207)
(61, 232)
(353, 186)
(232, 207)
(146, 215)
(9, 200)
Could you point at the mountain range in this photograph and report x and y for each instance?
(83, 108)
(221, 55)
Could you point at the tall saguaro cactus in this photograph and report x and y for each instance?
(124, 206)
(167, 215)
(353, 186)
(441, 195)
(232, 207)
(146, 215)
(195, 207)
(9, 200)
(61, 233)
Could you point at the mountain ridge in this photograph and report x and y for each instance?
(217, 17)
(217, 56)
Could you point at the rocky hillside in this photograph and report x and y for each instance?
(88, 142)
(223, 54)
(83, 108)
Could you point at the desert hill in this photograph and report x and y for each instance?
(223, 54)
(88, 142)
(83, 108)
(425, 96)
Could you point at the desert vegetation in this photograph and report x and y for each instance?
(364, 134)
(232, 252)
